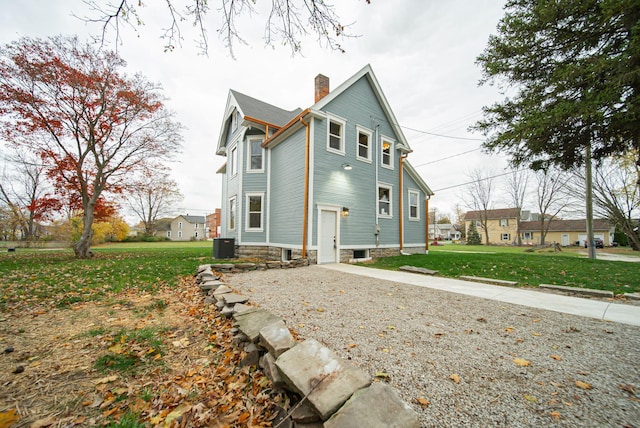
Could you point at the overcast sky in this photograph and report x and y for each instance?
(422, 51)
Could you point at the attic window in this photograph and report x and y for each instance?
(364, 144)
(234, 121)
(387, 153)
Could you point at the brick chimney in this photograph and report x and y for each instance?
(322, 87)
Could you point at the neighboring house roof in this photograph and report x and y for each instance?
(565, 225)
(492, 214)
(193, 218)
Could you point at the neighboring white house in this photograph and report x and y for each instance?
(329, 183)
(187, 228)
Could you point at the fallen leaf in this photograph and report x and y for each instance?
(423, 401)
(628, 388)
(382, 375)
(320, 309)
(509, 329)
(8, 418)
(116, 349)
(556, 415)
(521, 362)
(535, 334)
(583, 385)
(107, 379)
(556, 357)
(352, 345)
(45, 422)
(531, 398)
(176, 413)
(455, 378)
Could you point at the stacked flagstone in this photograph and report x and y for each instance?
(333, 392)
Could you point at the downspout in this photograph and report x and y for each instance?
(426, 236)
(306, 189)
(375, 205)
(401, 208)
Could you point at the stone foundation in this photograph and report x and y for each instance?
(346, 255)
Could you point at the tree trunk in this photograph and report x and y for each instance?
(591, 247)
(82, 248)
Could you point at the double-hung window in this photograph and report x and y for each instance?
(384, 201)
(363, 144)
(414, 205)
(256, 155)
(335, 134)
(386, 157)
(232, 213)
(504, 222)
(234, 161)
(254, 211)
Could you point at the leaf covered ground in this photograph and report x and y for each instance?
(134, 358)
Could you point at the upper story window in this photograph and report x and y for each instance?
(414, 205)
(335, 135)
(179, 225)
(363, 144)
(384, 201)
(386, 159)
(504, 222)
(256, 155)
(232, 213)
(234, 161)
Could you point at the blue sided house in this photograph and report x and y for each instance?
(330, 183)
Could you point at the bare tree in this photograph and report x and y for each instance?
(552, 192)
(516, 189)
(615, 195)
(479, 197)
(151, 196)
(24, 191)
(287, 22)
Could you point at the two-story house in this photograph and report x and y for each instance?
(187, 228)
(499, 224)
(329, 183)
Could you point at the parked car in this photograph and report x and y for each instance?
(599, 243)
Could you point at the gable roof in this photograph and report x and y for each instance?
(193, 218)
(492, 214)
(265, 112)
(367, 72)
(565, 225)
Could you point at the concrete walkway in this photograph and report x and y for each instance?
(608, 311)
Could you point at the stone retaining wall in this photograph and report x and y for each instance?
(331, 392)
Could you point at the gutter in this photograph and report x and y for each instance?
(306, 186)
(401, 228)
(287, 126)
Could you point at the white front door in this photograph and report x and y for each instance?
(565, 240)
(327, 235)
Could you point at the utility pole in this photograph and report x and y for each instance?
(591, 248)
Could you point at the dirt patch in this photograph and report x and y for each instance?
(165, 357)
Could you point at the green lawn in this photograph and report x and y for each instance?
(528, 268)
(31, 278)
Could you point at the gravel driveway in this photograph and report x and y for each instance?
(471, 362)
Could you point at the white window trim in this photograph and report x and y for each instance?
(369, 134)
(248, 212)
(179, 234)
(390, 188)
(391, 141)
(504, 222)
(232, 203)
(233, 161)
(179, 225)
(249, 142)
(234, 121)
(505, 235)
(417, 193)
(343, 125)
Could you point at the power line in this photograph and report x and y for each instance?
(441, 135)
(447, 157)
(478, 181)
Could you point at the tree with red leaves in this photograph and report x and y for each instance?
(92, 125)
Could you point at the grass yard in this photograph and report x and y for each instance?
(122, 340)
(34, 278)
(528, 268)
